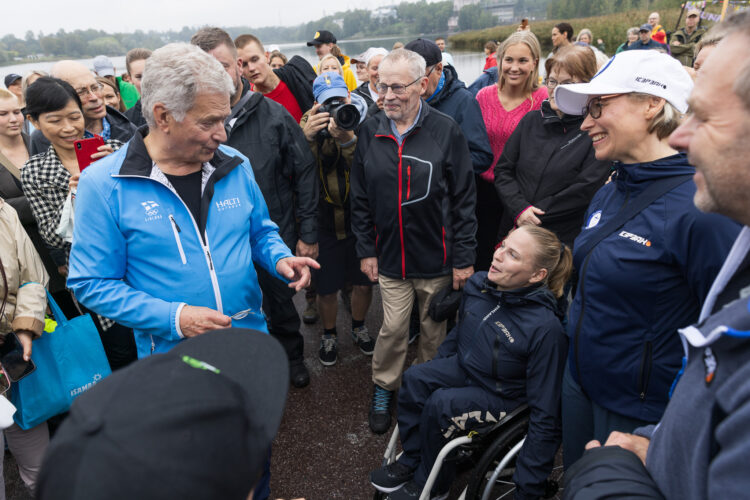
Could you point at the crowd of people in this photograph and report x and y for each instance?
(550, 232)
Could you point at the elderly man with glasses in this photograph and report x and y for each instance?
(413, 198)
(99, 118)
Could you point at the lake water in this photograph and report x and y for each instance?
(468, 64)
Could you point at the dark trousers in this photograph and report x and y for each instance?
(281, 315)
(489, 212)
(584, 420)
(438, 402)
(118, 343)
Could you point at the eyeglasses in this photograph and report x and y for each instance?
(396, 88)
(552, 83)
(594, 106)
(94, 89)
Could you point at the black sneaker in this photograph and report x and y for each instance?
(328, 350)
(361, 337)
(380, 410)
(391, 477)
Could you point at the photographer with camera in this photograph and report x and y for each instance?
(329, 128)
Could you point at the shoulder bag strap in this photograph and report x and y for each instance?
(14, 171)
(652, 193)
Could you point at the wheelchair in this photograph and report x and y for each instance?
(490, 452)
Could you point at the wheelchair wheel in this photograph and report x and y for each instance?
(504, 486)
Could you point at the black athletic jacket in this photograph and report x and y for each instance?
(413, 205)
(283, 165)
(549, 162)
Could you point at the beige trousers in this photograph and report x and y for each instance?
(393, 339)
(28, 449)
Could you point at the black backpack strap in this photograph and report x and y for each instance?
(629, 210)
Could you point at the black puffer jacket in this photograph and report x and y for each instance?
(283, 164)
(135, 115)
(298, 75)
(364, 92)
(548, 162)
(122, 130)
(413, 204)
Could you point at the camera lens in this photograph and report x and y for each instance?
(346, 116)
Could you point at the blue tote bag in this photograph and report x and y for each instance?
(68, 361)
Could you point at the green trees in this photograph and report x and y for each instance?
(473, 17)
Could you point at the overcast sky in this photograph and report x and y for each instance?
(129, 15)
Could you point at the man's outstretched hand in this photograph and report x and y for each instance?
(297, 270)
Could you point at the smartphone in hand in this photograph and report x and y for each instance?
(11, 357)
(85, 148)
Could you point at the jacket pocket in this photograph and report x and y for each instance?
(176, 231)
(644, 374)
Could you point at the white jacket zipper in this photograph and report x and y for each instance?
(176, 230)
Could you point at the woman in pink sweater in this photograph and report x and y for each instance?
(503, 105)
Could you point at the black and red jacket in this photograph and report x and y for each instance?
(413, 205)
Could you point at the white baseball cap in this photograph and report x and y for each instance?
(644, 71)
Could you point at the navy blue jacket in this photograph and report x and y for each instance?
(458, 103)
(512, 344)
(638, 285)
(487, 78)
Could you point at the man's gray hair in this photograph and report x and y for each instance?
(739, 24)
(414, 61)
(175, 74)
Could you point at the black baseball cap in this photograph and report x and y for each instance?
(427, 49)
(11, 79)
(196, 422)
(322, 36)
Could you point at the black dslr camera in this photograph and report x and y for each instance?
(345, 115)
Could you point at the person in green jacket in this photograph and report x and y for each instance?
(682, 43)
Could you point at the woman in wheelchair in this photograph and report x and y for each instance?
(507, 349)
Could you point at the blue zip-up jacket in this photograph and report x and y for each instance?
(638, 285)
(512, 344)
(139, 256)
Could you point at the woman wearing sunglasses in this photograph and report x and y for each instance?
(23, 301)
(643, 275)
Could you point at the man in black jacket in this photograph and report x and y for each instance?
(99, 119)
(449, 95)
(284, 169)
(412, 196)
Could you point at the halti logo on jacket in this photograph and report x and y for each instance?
(227, 204)
(634, 237)
(151, 212)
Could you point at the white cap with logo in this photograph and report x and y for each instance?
(643, 71)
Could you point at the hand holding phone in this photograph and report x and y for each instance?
(11, 357)
(85, 148)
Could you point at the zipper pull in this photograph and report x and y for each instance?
(175, 223)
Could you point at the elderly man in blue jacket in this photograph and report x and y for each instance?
(168, 228)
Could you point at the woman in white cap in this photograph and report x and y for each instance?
(646, 256)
